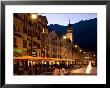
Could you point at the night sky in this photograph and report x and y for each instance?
(84, 27)
(63, 19)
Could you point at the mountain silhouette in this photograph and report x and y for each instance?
(85, 33)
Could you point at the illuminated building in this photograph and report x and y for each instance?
(27, 34)
(69, 33)
(53, 41)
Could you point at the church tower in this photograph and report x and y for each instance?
(69, 33)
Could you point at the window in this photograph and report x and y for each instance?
(22, 21)
(39, 27)
(34, 34)
(15, 29)
(38, 37)
(29, 43)
(37, 45)
(54, 56)
(29, 32)
(18, 29)
(24, 30)
(26, 20)
(15, 40)
(54, 50)
(34, 43)
(24, 43)
(58, 56)
(53, 43)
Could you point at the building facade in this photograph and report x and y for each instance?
(53, 42)
(66, 49)
(31, 37)
(69, 33)
(67, 43)
(27, 34)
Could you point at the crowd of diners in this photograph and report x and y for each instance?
(41, 68)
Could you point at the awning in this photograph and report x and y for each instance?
(41, 58)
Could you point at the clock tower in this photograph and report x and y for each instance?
(69, 33)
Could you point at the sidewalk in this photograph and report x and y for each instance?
(82, 71)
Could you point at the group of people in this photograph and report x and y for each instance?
(41, 69)
(60, 71)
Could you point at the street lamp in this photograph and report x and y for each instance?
(44, 43)
(43, 30)
(76, 46)
(94, 55)
(45, 52)
(64, 37)
(80, 50)
(33, 17)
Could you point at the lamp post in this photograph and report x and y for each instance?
(45, 51)
(76, 46)
(80, 50)
(72, 50)
(64, 37)
(33, 17)
(43, 43)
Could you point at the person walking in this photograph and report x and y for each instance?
(56, 71)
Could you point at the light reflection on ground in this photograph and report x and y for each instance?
(83, 71)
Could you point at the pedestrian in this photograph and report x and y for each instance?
(56, 71)
(61, 71)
